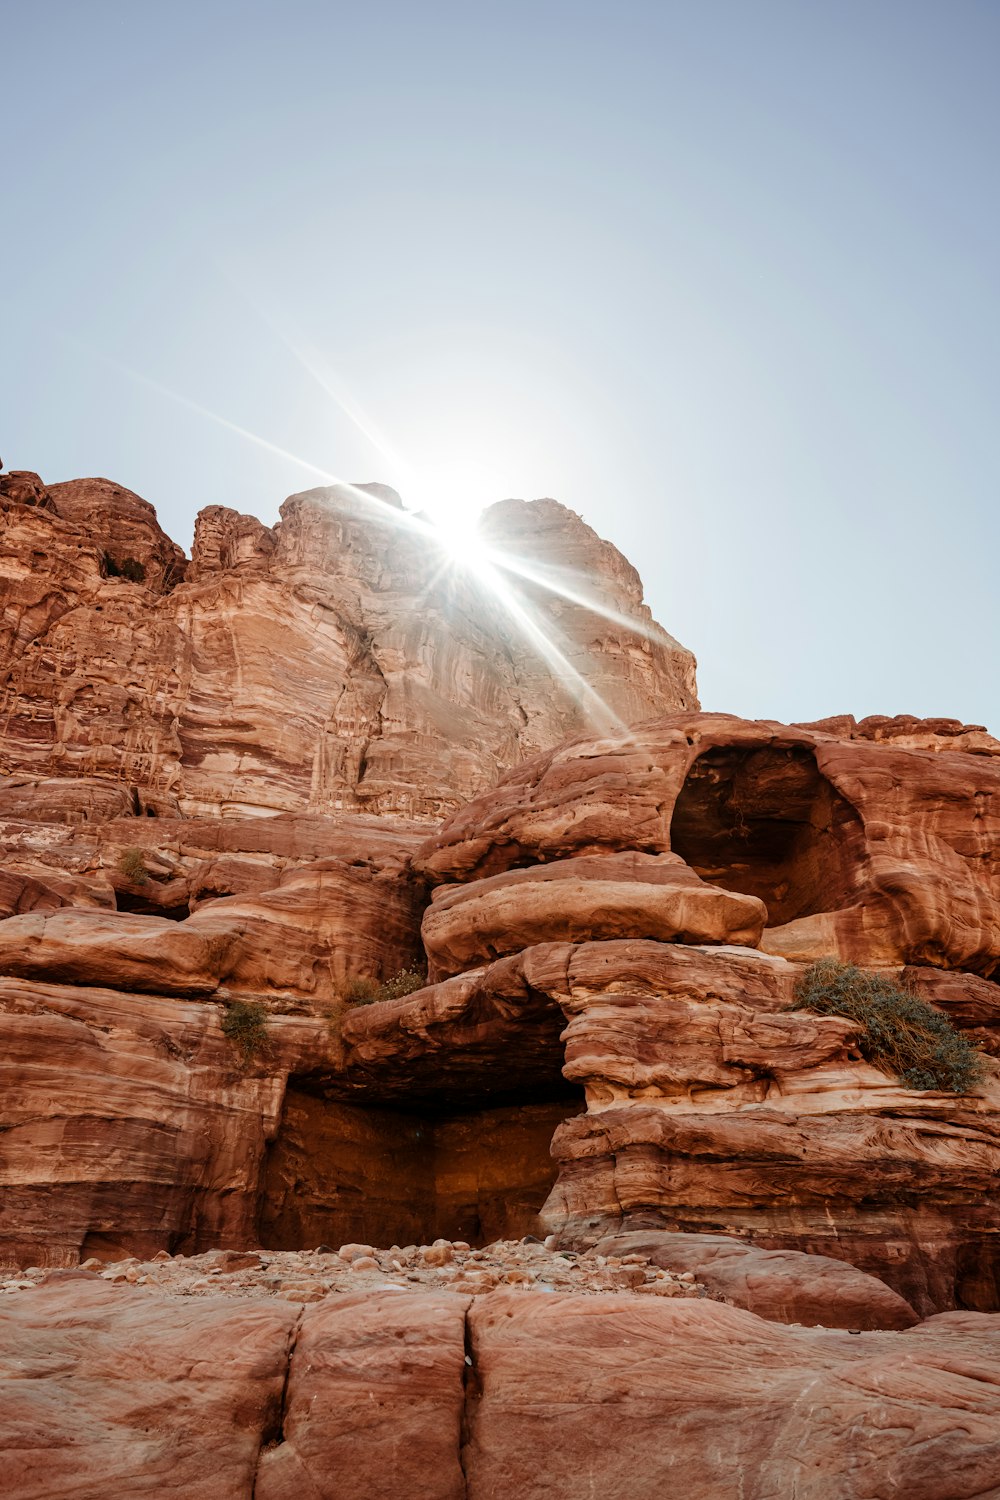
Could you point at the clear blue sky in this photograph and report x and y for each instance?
(720, 275)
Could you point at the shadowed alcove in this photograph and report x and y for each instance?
(765, 822)
(450, 1142)
(342, 1172)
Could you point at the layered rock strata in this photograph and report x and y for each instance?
(342, 659)
(612, 923)
(875, 842)
(711, 1104)
(218, 821)
(711, 1107)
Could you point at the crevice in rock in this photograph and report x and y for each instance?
(273, 1434)
(472, 1390)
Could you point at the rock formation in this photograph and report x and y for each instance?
(711, 1105)
(127, 1390)
(339, 660)
(257, 997)
(607, 946)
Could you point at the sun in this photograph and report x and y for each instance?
(451, 497)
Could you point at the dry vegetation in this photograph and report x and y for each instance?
(897, 1031)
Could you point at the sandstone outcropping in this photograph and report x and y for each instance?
(338, 660)
(652, 1043)
(114, 1390)
(257, 1000)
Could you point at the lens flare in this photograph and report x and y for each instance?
(448, 501)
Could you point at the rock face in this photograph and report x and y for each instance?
(218, 816)
(709, 1105)
(611, 1050)
(117, 1390)
(339, 660)
(876, 843)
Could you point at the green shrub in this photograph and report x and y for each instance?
(361, 992)
(897, 1031)
(244, 1022)
(131, 866)
(368, 991)
(403, 983)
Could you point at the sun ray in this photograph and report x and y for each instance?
(463, 549)
(556, 585)
(604, 717)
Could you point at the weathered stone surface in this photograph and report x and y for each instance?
(903, 1196)
(131, 1124)
(710, 1401)
(302, 940)
(858, 844)
(106, 1395)
(601, 896)
(186, 862)
(375, 1392)
(123, 1390)
(710, 1106)
(338, 660)
(219, 782)
(783, 1286)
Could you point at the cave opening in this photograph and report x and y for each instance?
(341, 1172)
(765, 822)
(145, 906)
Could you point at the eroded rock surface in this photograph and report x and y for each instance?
(219, 829)
(879, 847)
(711, 1107)
(631, 1061)
(117, 1389)
(338, 660)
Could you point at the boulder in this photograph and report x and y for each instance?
(783, 1286)
(626, 895)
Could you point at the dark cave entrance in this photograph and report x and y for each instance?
(144, 906)
(340, 1172)
(765, 822)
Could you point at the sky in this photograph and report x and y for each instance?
(722, 277)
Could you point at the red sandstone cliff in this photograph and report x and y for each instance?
(604, 1049)
(334, 661)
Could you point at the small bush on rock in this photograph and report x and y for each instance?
(403, 983)
(244, 1022)
(131, 866)
(897, 1031)
(361, 992)
(368, 991)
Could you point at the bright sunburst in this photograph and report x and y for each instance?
(452, 496)
(443, 504)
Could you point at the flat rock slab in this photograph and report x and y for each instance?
(376, 1393)
(105, 1397)
(652, 1400)
(109, 1393)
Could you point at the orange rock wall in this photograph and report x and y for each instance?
(337, 661)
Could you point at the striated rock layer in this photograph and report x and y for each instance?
(219, 819)
(608, 1043)
(713, 1105)
(338, 660)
